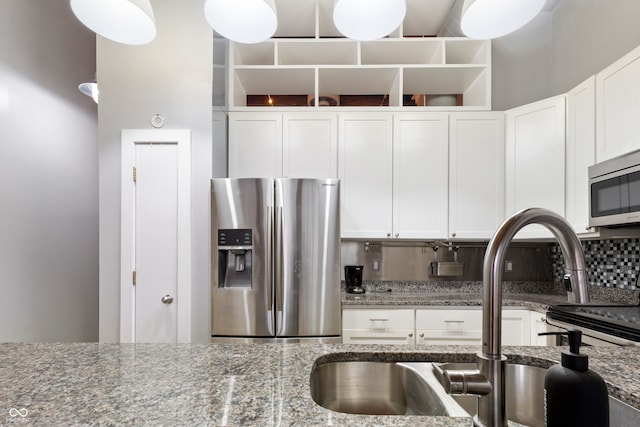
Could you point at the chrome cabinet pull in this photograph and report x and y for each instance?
(167, 299)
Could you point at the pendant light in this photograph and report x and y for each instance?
(489, 19)
(368, 19)
(243, 21)
(123, 21)
(90, 89)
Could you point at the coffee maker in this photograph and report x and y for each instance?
(353, 279)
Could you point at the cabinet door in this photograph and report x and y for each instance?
(448, 327)
(378, 326)
(476, 174)
(516, 327)
(255, 145)
(365, 160)
(310, 145)
(420, 168)
(580, 151)
(538, 325)
(534, 157)
(618, 107)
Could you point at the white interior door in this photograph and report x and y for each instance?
(155, 273)
(156, 240)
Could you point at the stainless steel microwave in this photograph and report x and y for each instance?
(614, 191)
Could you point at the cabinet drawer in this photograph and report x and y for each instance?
(350, 336)
(379, 320)
(454, 321)
(444, 337)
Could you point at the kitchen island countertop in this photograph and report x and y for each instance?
(226, 384)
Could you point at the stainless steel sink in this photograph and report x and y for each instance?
(524, 391)
(394, 388)
(381, 388)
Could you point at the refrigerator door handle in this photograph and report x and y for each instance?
(270, 272)
(279, 267)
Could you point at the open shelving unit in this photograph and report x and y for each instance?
(308, 57)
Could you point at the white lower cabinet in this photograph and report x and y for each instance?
(437, 326)
(447, 327)
(378, 326)
(538, 325)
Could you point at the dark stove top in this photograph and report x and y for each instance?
(618, 320)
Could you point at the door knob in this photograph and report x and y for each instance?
(167, 299)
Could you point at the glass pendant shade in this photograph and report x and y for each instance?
(489, 19)
(243, 21)
(368, 19)
(123, 21)
(90, 89)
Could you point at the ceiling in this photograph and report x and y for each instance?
(297, 18)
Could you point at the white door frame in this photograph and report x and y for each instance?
(129, 139)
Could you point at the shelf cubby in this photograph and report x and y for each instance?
(309, 56)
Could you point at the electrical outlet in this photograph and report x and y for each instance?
(508, 266)
(375, 265)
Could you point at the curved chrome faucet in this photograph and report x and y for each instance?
(488, 381)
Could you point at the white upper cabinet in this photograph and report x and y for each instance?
(535, 160)
(291, 145)
(310, 145)
(420, 175)
(255, 145)
(365, 168)
(580, 152)
(618, 107)
(394, 183)
(476, 174)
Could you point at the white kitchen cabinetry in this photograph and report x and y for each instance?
(309, 57)
(516, 327)
(580, 152)
(464, 326)
(365, 168)
(394, 183)
(310, 145)
(618, 107)
(378, 326)
(255, 145)
(448, 326)
(476, 174)
(539, 325)
(535, 160)
(293, 145)
(431, 326)
(420, 168)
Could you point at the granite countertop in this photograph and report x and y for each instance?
(226, 384)
(534, 295)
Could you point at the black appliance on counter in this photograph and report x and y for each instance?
(353, 279)
(616, 324)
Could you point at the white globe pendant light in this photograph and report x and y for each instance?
(243, 21)
(368, 19)
(489, 19)
(123, 21)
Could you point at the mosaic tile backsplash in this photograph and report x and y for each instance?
(610, 263)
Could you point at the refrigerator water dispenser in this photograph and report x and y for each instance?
(235, 258)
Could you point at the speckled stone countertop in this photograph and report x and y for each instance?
(537, 296)
(226, 384)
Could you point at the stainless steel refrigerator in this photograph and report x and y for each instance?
(275, 260)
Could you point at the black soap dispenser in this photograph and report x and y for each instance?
(574, 395)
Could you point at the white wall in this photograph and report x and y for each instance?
(521, 65)
(171, 76)
(589, 35)
(559, 49)
(48, 175)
